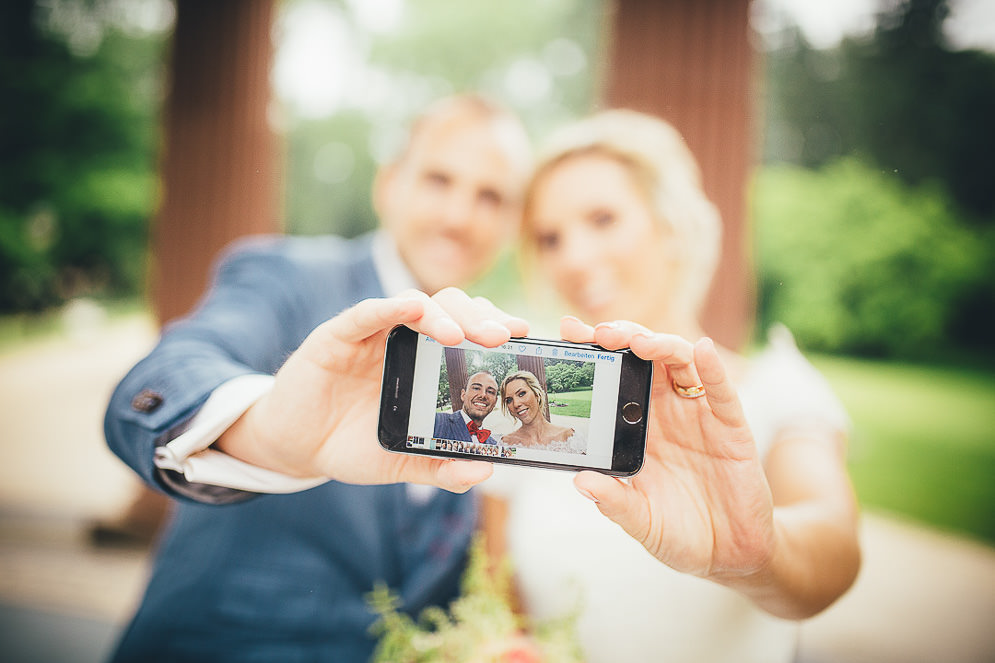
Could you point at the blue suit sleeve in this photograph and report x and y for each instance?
(254, 315)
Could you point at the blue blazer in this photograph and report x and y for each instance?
(450, 425)
(245, 577)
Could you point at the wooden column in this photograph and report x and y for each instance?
(219, 168)
(691, 63)
(458, 375)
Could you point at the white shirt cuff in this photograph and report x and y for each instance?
(190, 455)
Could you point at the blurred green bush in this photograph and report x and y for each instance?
(855, 261)
(78, 136)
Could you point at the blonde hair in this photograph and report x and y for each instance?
(533, 383)
(663, 169)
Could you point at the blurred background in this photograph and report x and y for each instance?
(849, 146)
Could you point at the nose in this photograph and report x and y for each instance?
(456, 209)
(579, 252)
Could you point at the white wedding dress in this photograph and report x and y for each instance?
(633, 608)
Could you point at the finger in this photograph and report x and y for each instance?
(517, 326)
(673, 352)
(372, 316)
(456, 476)
(618, 501)
(434, 321)
(459, 476)
(575, 331)
(719, 390)
(618, 333)
(477, 321)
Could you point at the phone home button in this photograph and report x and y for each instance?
(632, 413)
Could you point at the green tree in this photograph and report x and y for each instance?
(77, 147)
(901, 99)
(854, 260)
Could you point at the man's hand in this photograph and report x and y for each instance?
(320, 419)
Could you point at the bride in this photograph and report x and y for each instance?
(524, 399)
(742, 519)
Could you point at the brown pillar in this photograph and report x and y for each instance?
(219, 169)
(457, 371)
(691, 63)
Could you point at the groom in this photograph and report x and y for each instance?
(257, 563)
(479, 398)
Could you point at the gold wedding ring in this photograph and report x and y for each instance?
(697, 391)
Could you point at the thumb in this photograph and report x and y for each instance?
(618, 501)
(456, 476)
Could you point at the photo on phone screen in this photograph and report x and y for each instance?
(527, 401)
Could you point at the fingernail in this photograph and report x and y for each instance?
(607, 325)
(588, 495)
(447, 326)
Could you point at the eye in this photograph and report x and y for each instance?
(602, 218)
(547, 241)
(490, 198)
(437, 178)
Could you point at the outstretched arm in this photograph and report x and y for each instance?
(785, 536)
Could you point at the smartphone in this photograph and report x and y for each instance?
(468, 401)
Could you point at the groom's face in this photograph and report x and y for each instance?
(452, 201)
(480, 396)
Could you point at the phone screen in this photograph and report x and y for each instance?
(575, 388)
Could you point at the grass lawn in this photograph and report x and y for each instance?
(575, 403)
(923, 440)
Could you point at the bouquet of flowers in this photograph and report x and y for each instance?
(480, 626)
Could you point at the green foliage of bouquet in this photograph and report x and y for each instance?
(480, 626)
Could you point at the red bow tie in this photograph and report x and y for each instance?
(481, 433)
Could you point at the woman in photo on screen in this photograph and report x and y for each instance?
(743, 519)
(523, 398)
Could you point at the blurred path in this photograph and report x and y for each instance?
(60, 598)
(921, 596)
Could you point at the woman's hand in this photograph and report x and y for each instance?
(701, 503)
(320, 418)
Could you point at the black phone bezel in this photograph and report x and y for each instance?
(397, 385)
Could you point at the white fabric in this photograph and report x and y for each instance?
(190, 453)
(394, 276)
(632, 607)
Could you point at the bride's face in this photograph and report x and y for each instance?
(598, 242)
(521, 401)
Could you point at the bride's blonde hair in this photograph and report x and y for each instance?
(663, 169)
